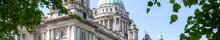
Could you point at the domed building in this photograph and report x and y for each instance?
(113, 15)
(109, 21)
(159, 37)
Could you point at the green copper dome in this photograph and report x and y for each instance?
(110, 2)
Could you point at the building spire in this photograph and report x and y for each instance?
(146, 36)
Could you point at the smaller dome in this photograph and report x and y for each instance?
(110, 2)
(160, 36)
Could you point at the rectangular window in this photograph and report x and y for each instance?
(39, 37)
(85, 15)
(82, 35)
(82, 2)
(62, 34)
(103, 10)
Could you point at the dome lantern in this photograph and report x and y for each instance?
(110, 3)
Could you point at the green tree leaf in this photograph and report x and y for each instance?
(182, 36)
(205, 7)
(189, 20)
(186, 3)
(158, 4)
(148, 10)
(172, 1)
(197, 11)
(176, 7)
(173, 18)
(202, 2)
(150, 3)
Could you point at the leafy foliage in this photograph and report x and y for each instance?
(173, 18)
(151, 3)
(158, 4)
(148, 10)
(172, 1)
(176, 7)
(16, 14)
(206, 21)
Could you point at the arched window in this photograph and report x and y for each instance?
(106, 10)
(103, 10)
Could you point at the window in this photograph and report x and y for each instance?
(106, 9)
(23, 36)
(82, 2)
(116, 8)
(84, 15)
(82, 35)
(18, 37)
(103, 10)
(39, 37)
(62, 34)
(117, 20)
(111, 24)
(126, 35)
(110, 9)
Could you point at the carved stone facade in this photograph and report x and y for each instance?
(109, 21)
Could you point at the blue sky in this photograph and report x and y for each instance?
(157, 21)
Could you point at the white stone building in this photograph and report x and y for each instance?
(109, 21)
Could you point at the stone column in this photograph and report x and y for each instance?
(103, 22)
(124, 27)
(99, 21)
(114, 23)
(120, 24)
(73, 33)
(108, 24)
(47, 35)
(78, 34)
(68, 33)
(93, 37)
(52, 35)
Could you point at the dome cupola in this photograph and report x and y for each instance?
(110, 3)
